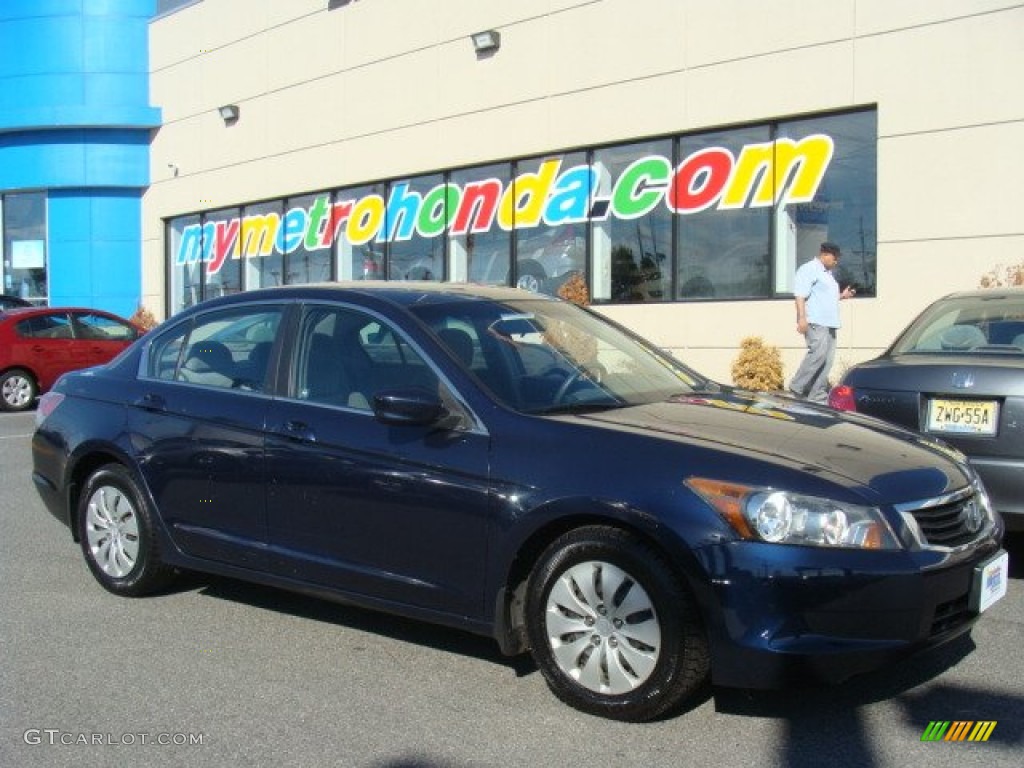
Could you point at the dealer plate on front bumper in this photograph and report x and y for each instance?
(989, 583)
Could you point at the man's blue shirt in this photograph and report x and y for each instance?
(816, 284)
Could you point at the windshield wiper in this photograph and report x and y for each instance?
(574, 408)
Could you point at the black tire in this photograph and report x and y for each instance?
(116, 529)
(18, 390)
(635, 654)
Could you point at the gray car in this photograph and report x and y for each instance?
(957, 372)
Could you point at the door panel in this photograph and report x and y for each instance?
(46, 344)
(199, 423)
(394, 512)
(398, 513)
(203, 461)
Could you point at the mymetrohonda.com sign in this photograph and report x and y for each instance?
(780, 172)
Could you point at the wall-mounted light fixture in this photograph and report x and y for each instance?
(334, 4)
(487, 42)
(229, 113)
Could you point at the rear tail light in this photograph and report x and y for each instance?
(842, 398)
(47, 404)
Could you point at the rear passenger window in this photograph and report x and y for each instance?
(228, 349)
(56, 326)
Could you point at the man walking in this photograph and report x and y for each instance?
(817, 296)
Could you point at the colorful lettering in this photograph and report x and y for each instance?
(779, 172)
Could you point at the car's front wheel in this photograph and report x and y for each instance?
(612, 627)
(117, 534)
(17, 390)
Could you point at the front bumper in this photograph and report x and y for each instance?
(791, 615)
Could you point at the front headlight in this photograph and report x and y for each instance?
(782, 517)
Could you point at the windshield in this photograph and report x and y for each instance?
(543, 356)
(967, 324)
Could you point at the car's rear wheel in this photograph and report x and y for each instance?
(117, 534)
(612, 627)
(17, 390)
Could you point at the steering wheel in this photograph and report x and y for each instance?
(593, 374)
(567, 385)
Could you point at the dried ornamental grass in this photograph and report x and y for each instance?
(758, 366)
(575, 290)
(144, 318)
(1003, 277)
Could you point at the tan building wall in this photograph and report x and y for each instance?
(391, 88)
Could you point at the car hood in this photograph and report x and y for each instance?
(882, 461)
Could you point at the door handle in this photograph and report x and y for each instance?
(299, 430)
(151, 402)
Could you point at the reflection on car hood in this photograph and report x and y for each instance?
(859, 452)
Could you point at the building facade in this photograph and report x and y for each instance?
(75, 127)
(683, 157)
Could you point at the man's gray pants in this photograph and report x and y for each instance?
(811, 379)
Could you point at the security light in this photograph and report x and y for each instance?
(229, 113)
(487, 41)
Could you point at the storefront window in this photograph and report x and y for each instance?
(728, 214)
(259, 233)
(844, 209)
(481, 251)
(415, 221)
(361, 211)
(186, 262)
(551, 243)
(23, 216)
(307, 259)
(220, 243)
(724, 252)
(631, 252)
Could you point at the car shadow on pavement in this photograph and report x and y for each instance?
(356, 618)
(834, 715)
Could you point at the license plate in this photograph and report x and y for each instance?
(989, 583)
(963, 417)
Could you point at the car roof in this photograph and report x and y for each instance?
(48, 310)
(22, 312)
(403, 293)
(987, 293)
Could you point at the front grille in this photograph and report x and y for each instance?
(949, 521)
(945, 526)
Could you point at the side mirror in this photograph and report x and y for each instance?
(411, 407)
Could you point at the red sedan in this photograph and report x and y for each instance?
(38, 344)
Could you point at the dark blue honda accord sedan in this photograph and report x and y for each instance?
(518, 467)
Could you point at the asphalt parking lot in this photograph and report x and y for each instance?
(222, 673)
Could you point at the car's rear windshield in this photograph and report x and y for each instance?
(967, 324)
